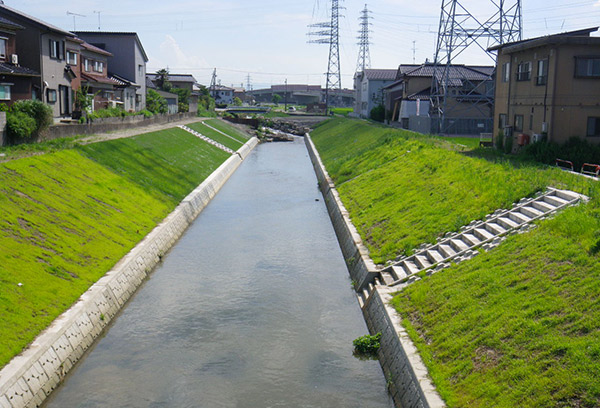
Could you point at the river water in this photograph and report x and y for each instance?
(253, 307)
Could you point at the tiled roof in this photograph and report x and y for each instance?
(381, 74)
(9, 69)
(547, 39)
(95, 49)
(456, 75)
(7, 23)
(100, 79)
(13, 12)
(122, 81)
(175, 77)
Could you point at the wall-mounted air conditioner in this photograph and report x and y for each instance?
(14, 58)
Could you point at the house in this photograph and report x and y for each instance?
(93, 76)
(549, 88)
(127, 64)
(368, 89)
(16, 81)
(410, 103)
(41, 47)
(180, 81)
(171, 98)
(222, 94)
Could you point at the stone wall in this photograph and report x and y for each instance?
(407, 376)
(30, 377)
(104, 125)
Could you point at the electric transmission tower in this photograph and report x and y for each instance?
(460, 30)
(364, 56)
(330, 34)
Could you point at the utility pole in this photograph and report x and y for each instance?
(98, 12)
(285, 96)
(74, 15)
(459, 29)
(364, 56)
(414, 50)
(330, 35)
(213, 85)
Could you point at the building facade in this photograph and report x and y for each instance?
(549, 88)
(368, 89)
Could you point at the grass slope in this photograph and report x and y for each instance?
(231, 142)
(514, 327)
(402, 189)
(68, 217)
(229, 129)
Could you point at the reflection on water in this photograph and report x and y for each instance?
(251, 308)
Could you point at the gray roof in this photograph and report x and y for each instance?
(9, 69)
(380, 74)
(174, 77)
(456, 74)
(578, 36)
(11, 12)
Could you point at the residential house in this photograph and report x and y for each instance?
(41, 47)
(410, 103)
(127, 64)
(16, 81)
(549, 88)
(171, 98)
(181, 81)
(222, 94)
(93, 73)
(368, 88)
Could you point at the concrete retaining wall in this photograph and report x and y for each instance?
(407, 377)
(30, 377)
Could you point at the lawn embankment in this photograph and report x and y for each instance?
(403, 189)
(232, 142)
(69, 216)
(514, 327)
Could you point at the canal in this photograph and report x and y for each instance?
(253, 307)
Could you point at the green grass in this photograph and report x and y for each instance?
(403, 189)
(69, 216)
(228, 128)
(517, 326)
(30, 149)
(513, 327)
(232, 142)
(342, 111)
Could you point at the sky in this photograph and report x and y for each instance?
(265, 42)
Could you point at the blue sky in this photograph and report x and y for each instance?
(267, 39)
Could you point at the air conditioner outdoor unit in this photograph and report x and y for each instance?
(537, 138)
(14, 58)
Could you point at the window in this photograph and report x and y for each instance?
(518, 123)
(98, 66)
(71, 58)
(506, 72)
(593, 127)
(86, 65)
(51, 95)
(502, 121)
(56, 50)
(5, 92)
(542, 72)
(587, 67)
(140, 70)
(3, 47)
(524, 71)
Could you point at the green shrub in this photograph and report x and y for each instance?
(39, 111)
(378, 113)
(155, 102)
(20, 125)
(576, 150)
(500, 140)
(367, 344)
(146, 113)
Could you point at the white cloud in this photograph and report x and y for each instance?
(173, 56)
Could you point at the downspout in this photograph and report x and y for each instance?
(553, 103)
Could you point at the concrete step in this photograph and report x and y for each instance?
(447, 250)
(518, 217)
(569, 196)
(458, 245)
(543, 206)
(531, 212)
(495, 228)
(482, 234)
(554, 200)
(410, 267)
(470, 239)
(434, 255)
(399, 272)
(507, 223)
(422, 262)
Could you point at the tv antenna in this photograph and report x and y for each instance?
(74, 16)
(98, 12)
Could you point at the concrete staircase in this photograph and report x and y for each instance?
(207, 139)
(463, 245)
(223, 133)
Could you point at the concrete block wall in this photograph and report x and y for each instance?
(31, 376)
(361, 267)
(407, 376)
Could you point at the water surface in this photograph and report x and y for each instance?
(251, 308)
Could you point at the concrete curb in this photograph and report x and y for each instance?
(408, 380)
(28, 379)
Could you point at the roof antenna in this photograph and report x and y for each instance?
(97, 12)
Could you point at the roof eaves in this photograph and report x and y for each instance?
(36, 21)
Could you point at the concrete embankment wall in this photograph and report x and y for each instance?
(30, 377)
(404, 370)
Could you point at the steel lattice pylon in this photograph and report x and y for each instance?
(460, 29)
(330, 35)
(364, 56)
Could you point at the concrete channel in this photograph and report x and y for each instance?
(252, 307)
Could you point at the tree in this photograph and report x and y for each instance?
(237, 101)
(155, 103)
(183, 97)
(162, 80)
(276, 99)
